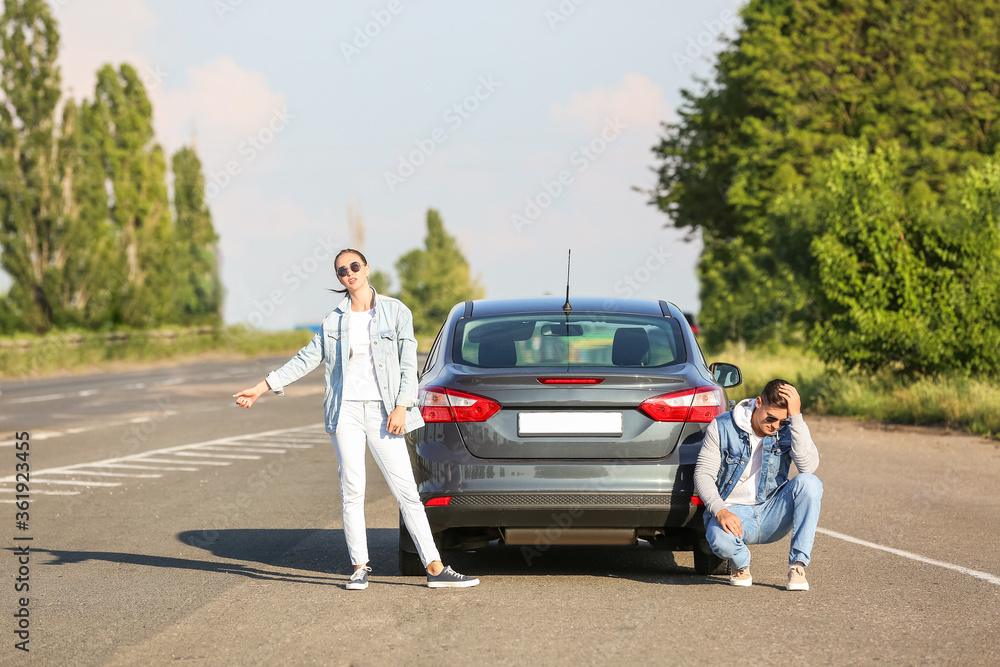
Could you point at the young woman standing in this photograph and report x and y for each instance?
(370, 361)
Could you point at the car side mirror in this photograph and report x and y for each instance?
(727, 375)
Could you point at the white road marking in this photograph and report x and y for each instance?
(199, 453)
(81, 471)
(297, 438)
(44, 493)
(200, 463)
(167, 383)
(52, 397)
(138, 461)
(45, 435)
(262, 444)
(82, 482)
(985, 576)
(249, 450)
(163, 468)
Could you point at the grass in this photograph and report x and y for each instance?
(25, 356)
(956, 402)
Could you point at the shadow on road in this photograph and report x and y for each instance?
(326, 551)
(641, 563)
(268, 554)
(76, 557)
(312, 550)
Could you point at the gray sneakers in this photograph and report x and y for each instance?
(359, 580)
(450, 579)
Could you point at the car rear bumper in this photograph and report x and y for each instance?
(566, 510)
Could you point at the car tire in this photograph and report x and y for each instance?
(410, 565)
(409, 559)
(706, 562)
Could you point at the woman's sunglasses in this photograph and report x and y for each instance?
(355, 267)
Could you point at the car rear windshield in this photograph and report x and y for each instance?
(582, 340)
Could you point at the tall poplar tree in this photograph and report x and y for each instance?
(33, 226)
(121, 126)
(99, 282)
(198, 298)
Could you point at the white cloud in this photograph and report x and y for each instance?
(97, 32)
(219, 101)
(276, 259)
(637, 101)
(222, 103)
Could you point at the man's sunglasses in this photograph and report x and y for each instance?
(355, 267)
(770, 419)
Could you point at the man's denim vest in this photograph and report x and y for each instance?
(734, 445)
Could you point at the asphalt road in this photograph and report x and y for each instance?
(214, 538)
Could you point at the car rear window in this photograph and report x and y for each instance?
(582, 340)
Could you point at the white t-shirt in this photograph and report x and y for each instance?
(745, 491)
(360, 383)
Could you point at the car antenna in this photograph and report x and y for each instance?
(566, 306)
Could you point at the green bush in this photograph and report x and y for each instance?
(899, 282)
(950, 400)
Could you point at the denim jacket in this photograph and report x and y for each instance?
(725, 454)
(393, 348)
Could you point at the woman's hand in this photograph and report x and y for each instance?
(397, 420)
(247, 397)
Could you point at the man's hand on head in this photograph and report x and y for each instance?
(791, 395)
(729, 522)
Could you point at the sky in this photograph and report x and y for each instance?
(527, 124)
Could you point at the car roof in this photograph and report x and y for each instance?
(548, 304)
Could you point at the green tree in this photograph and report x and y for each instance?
(121, 126)
(800, 80)
(33, 225)
(905, 287)
(99, 277)
(435, 278)
(381, 281)
(198, 298)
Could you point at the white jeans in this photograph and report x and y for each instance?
(368, 420)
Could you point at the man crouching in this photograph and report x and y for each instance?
(742, 476)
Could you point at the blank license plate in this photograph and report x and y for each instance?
(569, 423)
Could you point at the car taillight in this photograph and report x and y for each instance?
(691, 405)
(440, 501)
(438, 404)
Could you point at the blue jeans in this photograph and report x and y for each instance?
(794, 507)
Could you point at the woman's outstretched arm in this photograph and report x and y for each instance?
(247, 397)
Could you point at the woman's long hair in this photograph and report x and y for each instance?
(345, 251)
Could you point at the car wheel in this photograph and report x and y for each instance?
(409, 559)
(706, 562)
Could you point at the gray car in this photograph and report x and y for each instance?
(556, 423)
